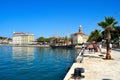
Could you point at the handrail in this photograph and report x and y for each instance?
(79, 58)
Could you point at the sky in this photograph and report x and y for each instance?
(49, 18)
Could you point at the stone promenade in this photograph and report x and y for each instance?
(96, 68)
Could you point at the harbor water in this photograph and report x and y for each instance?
(34, 63)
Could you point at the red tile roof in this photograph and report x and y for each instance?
(78, 33)
(19, 33)
(55, 37)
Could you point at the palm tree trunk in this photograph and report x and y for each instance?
(108, 56)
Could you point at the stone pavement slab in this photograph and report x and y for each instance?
(96, 68)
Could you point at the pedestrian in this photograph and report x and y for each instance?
(83, 45)
(95, 47)
(110, 46)
(90, 47)
(100, 46)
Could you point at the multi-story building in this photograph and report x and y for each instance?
(22, 38)
(79, 37)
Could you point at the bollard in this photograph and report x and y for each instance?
(78, 72)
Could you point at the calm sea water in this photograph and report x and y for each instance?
(34, 63)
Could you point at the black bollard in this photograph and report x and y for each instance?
(78, 72)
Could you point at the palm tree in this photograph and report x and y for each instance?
(108, 25)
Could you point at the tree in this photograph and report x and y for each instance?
(108, 25)
(115, 34)
(40, 39)
(3, 37)
(48, 40)
(95, 36)
(43, 40)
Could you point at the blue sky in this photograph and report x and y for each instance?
(49, 17)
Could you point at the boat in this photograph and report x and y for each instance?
(61, 43)
(62, 46)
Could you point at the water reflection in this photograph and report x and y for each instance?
(23, 53)
(20, 63)
(54, 55)
(62, 51)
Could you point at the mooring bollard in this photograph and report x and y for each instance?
(78, 72)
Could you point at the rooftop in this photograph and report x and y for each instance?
(79, 31)
(21, 33)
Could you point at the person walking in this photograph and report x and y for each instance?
(100, 46)
(110, 46)
(95, 47)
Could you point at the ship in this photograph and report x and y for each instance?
(62, 46)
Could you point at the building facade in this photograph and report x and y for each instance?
(79, 37)
(22, 38)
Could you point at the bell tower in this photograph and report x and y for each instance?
(80, 28)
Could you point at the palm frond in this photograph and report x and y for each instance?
(109, 20)
(109, 23)
(115, 23)
(103, 24)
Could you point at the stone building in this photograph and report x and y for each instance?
(79, 37)
(22, 38)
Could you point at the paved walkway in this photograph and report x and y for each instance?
(96, 68)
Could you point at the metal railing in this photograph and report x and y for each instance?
(80, 56)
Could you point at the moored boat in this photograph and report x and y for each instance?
(62, 46)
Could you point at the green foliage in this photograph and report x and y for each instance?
(115, 34)
(108, 24)
(5, 38)
(95, 36)
(47, 39)
(42, 39)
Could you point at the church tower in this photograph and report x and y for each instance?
(79, 37)
(80, 28)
